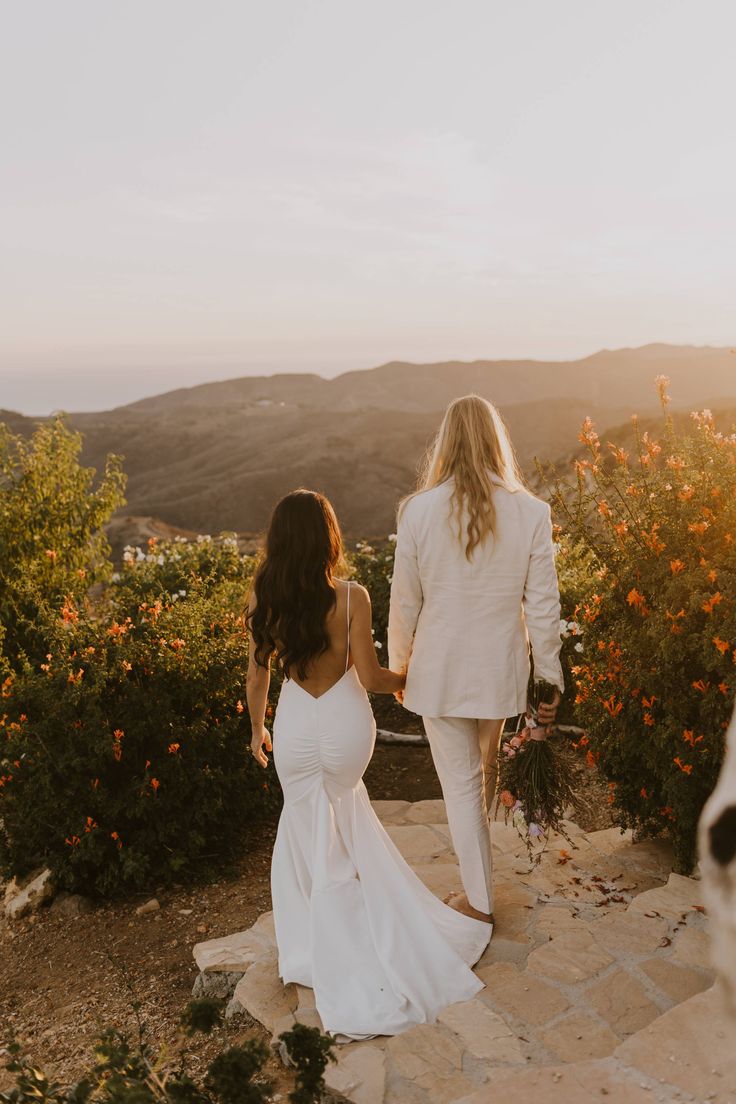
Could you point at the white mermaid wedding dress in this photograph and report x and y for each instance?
(353, 921)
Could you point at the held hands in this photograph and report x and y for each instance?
(547, 712)
(399, 694)
(261, 737)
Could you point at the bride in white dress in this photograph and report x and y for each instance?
(353, 921)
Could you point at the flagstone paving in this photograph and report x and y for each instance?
(598, 984)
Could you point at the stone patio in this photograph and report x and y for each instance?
(598, 982)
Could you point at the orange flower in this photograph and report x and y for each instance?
(620, 455)
(604, 509)
(724, 688)
(648, 720)
(73, 842)
(690, 738)
(69, 612)
(612, 706)
(643, 793)
(116, 629)
(647, 703)
(722, 645)
(676, 463)
(74, 679)
(701, 685)
(127, 666)
(155, 784)
(116, 837)
(91, 824)
(95, 783)
(653, 447)
(697, 526)
(507, 799)
(621, 529)
(590, 759)
(686, 493)
(712, 602)
(177, 643)
(173, 748)
(676, 566)
(686, 768)
(712, 576)
(239, 706)
(662, 383)
(588, 436)
(638, 601)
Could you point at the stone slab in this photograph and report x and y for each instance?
(622, 1001)
(579, 1036)
(692, 947)
(232, 953)
(388, 811)
(675, 899)
(569, 958)
(417, 842)
(359, 1072)
(691, 1046)
(580, 1083)
(629, 932)
(261, 992)
(427, 812)
(677, 982)
(482, 1032)
(525, 997)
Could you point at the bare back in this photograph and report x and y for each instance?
(325, 671)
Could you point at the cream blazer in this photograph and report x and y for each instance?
(464, 628)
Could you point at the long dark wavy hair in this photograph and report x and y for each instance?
(294, 585)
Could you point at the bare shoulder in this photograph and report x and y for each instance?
(359, 596)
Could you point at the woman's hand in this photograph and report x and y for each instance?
(547, 711)
(261, 737)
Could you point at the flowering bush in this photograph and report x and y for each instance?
(52, 544)
(125, 759)
(373, 568)
(648, 546)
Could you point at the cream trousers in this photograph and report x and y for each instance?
(465, 754)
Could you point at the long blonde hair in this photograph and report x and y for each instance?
(472, 445)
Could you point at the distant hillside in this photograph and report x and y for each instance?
(217, 456)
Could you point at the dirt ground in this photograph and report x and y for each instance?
(65, 979)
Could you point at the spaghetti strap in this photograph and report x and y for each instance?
(347, 646)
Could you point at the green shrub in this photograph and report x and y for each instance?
(127, 1073)
(373, 567)
(52, 544)
(648, 547)
(126, 757)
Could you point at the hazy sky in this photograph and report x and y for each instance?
(192, 190)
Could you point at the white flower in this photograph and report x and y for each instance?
(160, 560)
(378, 643)
(115, 577)
(579, 646)
(140, 555)
(174, 597)
(182, 594)
(392, 537)
(563, 627)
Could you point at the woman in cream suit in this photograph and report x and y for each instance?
(474, 585)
